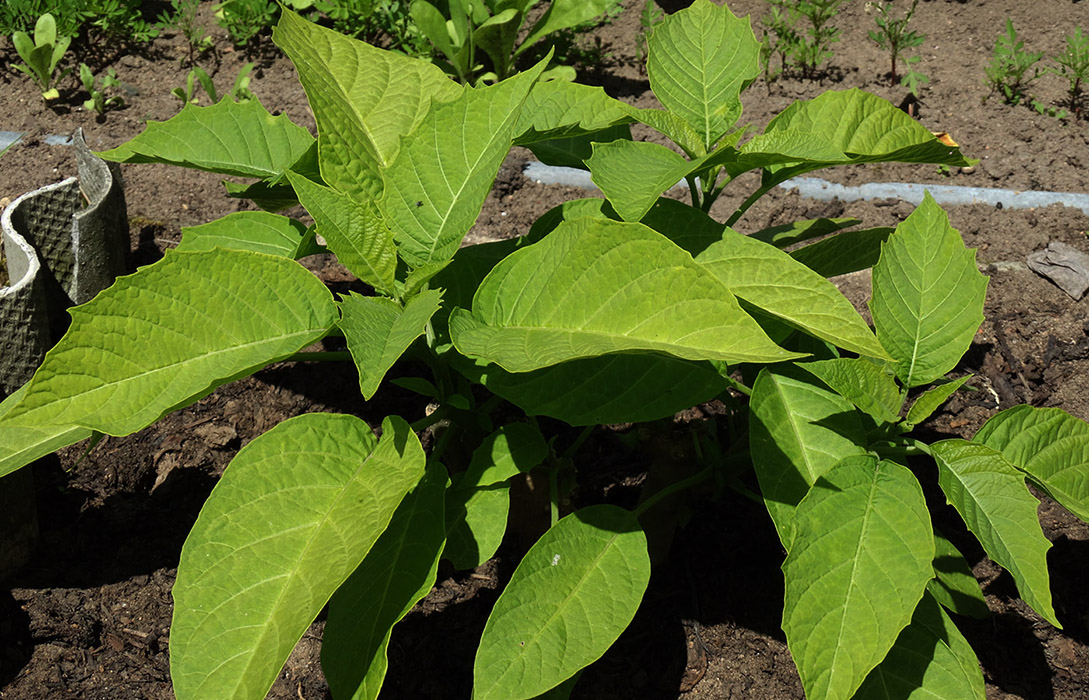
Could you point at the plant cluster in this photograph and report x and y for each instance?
(182, 16)
(98, 89)
(115, 19)
(244, 20)
(623, 309)
(893, 35)
(197, 76)
(802, 45)
(1013, 68)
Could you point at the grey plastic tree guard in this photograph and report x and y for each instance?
(63, 244)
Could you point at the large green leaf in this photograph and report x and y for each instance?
(991, 497)
(364, 99)
(864, 127)
(927, 295)
(161, 339)
(594, 287)
(609, 389)
(699, 59)
(295, 513)
(437, 185)
(379, 330)
(352, 229)
(632, 174)
(856, 570)
(1051, 445)
(931, 660)
(771, 280)
(571, 596)
(397, 572)
(230, 138)
(862, 382)
(258, 231)
(562, 109)
(797, 431)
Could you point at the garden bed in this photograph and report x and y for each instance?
(89, 617)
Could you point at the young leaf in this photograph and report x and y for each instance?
(772, 281)
(230, 138)
(163, 338)
(797, 431)
(314, 493)
(863, 383)
(571, 596)
(927, 295)
(991, 497)
(594, 287)
(513, 449)
(953, 584)
(931, 400)
(379, 330)
(437, 185)
(699, 59)
(476, 520)
(930, 659)
(609, 389)
(258, 231)
(397, 572)
(364, 99)
(632, 174)
(352, 229)
(855, 572)
(843, 253)
(797, 231)
(1050, 445)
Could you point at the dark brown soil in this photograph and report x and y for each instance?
(89, 617)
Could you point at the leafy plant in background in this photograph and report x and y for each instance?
(1009, 70)
(649, 17)
(182, 16)
(780, 39)
(99, 102)
(42, 55)
(244, 20)
(893, 35)
(388, 20)
(626, 309)
(494, 27)
(119, 19)
(1074, 66)
(21, 16)
(806, 50)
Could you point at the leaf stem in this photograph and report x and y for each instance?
(760, 192)
(427, 421)
(574, 446)
(697, 478)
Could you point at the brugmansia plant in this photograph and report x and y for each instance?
(628, 308)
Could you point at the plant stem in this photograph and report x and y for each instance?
(574, 446)
(734, 384)
(320, 356)
(697, 478)
(760, 192)
(553, 493)
(427, 421)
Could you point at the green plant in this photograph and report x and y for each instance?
(893, 35)
(21, 16)
(98, 101)
(1074, 66)
(239, 92)
(626, 309)
(494, 27)
(781, 38)
(1008, 72)
(119, 19)
(244, 20)
(809, 49)
(183, 16)
(42, 55)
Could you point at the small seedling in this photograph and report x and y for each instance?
(780, 38)
(648, 18)
(1074, 66)
(240, 92)
(893, 35)
(183, 16)
(809, 49)
(1008, 72)
(245, 19)
(98, 101)
(42, 55)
